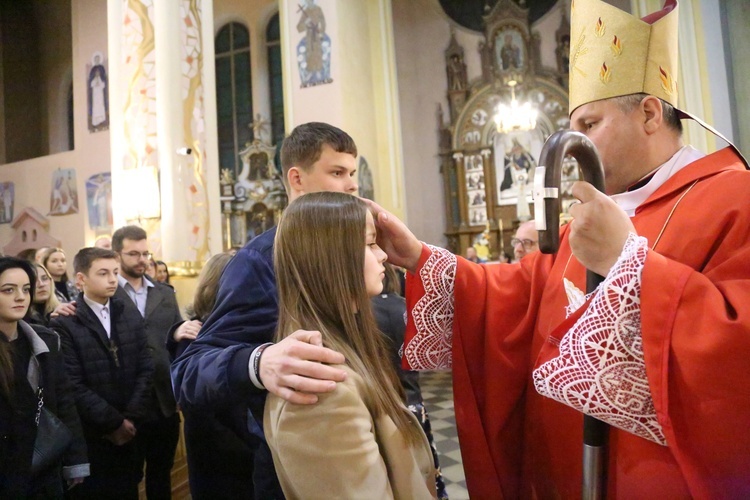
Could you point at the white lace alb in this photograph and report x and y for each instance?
(600, 369)
(430, 349)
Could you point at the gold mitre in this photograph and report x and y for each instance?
(613, 53)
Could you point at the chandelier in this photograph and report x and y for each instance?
(514, 117)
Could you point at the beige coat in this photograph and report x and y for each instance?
(336, 449)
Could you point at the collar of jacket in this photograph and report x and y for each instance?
(37, 347)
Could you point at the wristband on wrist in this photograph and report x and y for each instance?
(254, 367)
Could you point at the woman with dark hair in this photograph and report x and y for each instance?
(162, 272)
(32, 374)
(54, 260)
(360, 440)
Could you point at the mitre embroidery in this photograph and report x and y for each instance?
(600, 369)
(430, 349)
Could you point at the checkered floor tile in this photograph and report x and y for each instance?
(437, 393)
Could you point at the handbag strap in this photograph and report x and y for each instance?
(40, 405)
(40, 396)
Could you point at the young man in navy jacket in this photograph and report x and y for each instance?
(233, 360)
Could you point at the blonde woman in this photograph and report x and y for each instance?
(358, 441)
(45, 300)
(56, 263)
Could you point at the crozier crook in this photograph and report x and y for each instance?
(547, 180)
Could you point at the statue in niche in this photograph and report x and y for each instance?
(314, 50)
(457, 79)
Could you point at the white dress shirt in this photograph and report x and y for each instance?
(138, 297)
(103, 312)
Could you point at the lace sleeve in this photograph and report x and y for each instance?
(600, 369)
(430, 349)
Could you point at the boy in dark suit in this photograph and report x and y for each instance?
(110, 368)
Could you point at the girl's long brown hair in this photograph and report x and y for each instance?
(319, 255)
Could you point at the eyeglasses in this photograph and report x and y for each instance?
(136, 255)
(527, 244)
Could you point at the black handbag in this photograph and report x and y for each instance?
(52, 438)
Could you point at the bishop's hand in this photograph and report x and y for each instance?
(599, 229)
(396, 240)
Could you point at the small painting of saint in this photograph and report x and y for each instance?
(98, 93)
(64, 195)
(99, 201)
(7, 197)
(314, 50)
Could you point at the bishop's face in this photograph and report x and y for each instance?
(618, 136)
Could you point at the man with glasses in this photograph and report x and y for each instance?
(525, 241)
(157, 437)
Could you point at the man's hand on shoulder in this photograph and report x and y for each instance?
(188, 330)
(64, 309)
(296, 368)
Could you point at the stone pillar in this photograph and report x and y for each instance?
(348, 79)
(163, 120)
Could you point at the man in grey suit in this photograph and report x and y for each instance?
(157, 437)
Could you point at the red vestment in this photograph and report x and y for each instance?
(695, 328)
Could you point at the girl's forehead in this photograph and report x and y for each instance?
(369, 222)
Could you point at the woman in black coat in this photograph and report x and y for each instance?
(30, 359)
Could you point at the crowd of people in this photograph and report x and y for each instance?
(289, 370)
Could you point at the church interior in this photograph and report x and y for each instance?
(169, 114)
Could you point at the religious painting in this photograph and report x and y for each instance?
(314, 50)
(516, 155)
(7, 197)
(99, 202)
(475, 194)
(64, 195)
(510, 51)
(260, 167)
(364, 179)
(98, 93)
